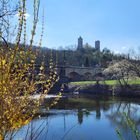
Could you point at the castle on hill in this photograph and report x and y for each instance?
(80, 45)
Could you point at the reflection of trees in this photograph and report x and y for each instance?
(91, 104)
(94, 104)
(121, 107)
(81, 113)
(80, 116)
(98, 109)
(117, 118)
(32, 131)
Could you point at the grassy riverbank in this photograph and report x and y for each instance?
(107, 82)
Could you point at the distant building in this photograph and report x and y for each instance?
(97, 45)
(80, 43)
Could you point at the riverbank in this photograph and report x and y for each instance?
(132, 90)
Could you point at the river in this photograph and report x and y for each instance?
(83, 118)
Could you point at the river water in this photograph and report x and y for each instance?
(83, 118)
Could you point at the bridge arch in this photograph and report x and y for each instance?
(75, 73)
(74, 76)
(88, 76)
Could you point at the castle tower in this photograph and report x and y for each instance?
(97, 45)
(80, 43)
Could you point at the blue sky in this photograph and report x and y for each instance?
(116, 23)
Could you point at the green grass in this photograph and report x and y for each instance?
(132, 82)
(83, 82)
(108, 82)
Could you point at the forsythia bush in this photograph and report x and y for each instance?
(18, 78)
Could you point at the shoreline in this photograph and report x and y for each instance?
(103, 89)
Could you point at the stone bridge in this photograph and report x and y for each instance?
(74, 73)
(79, 73)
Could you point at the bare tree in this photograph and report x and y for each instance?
(6, 12)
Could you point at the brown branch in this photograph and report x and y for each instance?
(4, 41)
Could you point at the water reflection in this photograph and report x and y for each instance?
(80, 116)
(83, 118)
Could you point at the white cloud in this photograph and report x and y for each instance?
(116, 52)
(26, 15)
(124, 47)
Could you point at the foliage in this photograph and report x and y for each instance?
(78, 58)
(19, 81)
